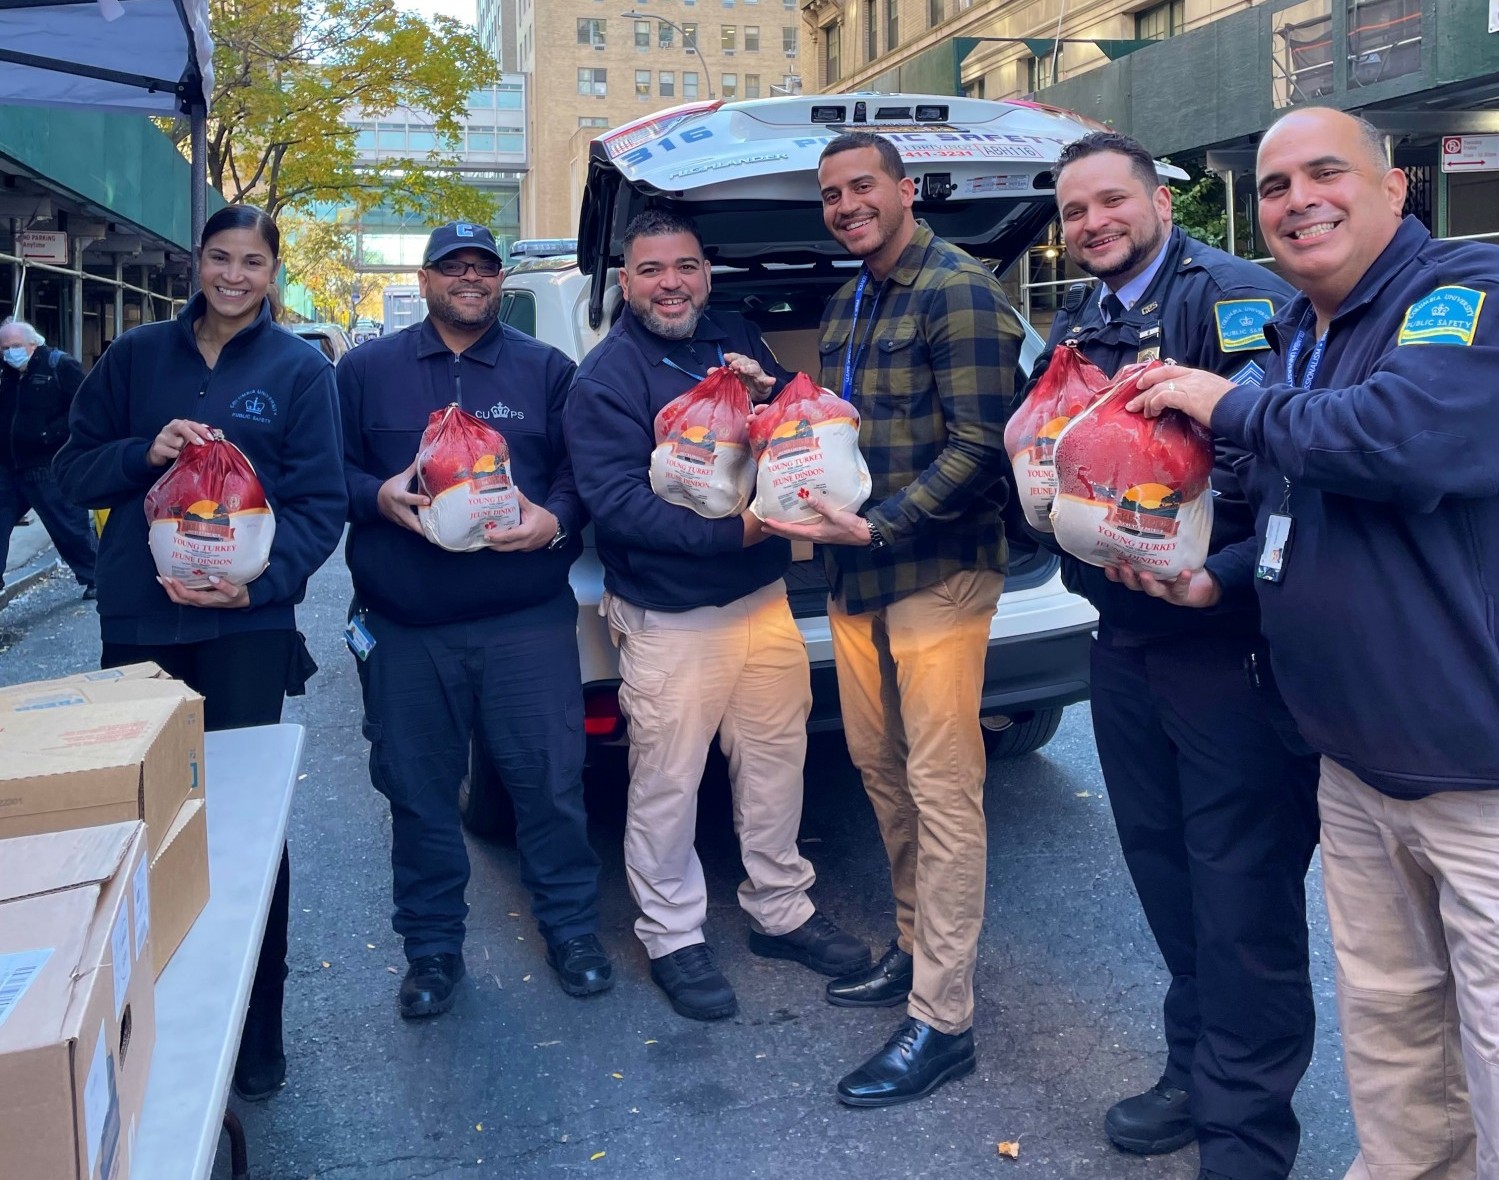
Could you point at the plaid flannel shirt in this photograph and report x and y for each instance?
(932, 386)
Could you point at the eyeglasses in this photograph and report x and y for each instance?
(456, 268)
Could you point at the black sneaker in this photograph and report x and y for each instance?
(431, 985)
(693, 983)
(1151, 1123)
(817, 944)
(89, 593)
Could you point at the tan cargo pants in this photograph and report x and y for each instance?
(1413, 901)
(910, 679)
(739, 671)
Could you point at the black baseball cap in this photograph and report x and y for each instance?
(459, 235)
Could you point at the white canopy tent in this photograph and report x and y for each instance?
(147, 57)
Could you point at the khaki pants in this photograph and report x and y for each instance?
(1413, 900)
(910, 678)
(739, 671)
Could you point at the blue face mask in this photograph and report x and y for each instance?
(16, 357)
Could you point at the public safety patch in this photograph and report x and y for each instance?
(1449, 315)
(1241, 324)
(1250, 374)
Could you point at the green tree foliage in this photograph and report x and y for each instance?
(327, 257)
(1198, 208)
(285, 74)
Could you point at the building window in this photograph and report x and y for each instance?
(974, 89)
(642, 34)
(1301, 63)
(665, 36)
(727, 37)
(593, 81)
(752, 86)
(752, 38)
(788, 42)
(1163, 20)
(420, 141)
(1043, 71)
(510, 99)
(936, 11)
(789, 5)
(364, 139)
(689, 83)
(393, 137)
(512, 142)
(668, 83)
(871, 31)
(1384, 40)
(642, 83)
(728, 85)
(832, 35)
(892, 25)
(689, 35)
(591, 31)
(592, 121)
(481, 141)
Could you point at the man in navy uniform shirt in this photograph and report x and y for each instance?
(1213, 792)
(1375, 478)
(456, 643)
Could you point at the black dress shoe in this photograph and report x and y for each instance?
(1151, 1123)
(887, 982)
(431, 985)
(914, 1062)
(582, 965)
(817, 943)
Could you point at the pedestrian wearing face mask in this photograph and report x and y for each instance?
(37, 385)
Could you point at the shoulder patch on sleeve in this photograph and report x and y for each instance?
(1241, 324)
(1250, 374)
(1449, 315)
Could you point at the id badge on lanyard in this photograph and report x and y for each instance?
(1280, 526)
(851, 358)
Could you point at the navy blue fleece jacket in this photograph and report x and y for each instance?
(273, 397)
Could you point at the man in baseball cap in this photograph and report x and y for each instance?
(458, 235)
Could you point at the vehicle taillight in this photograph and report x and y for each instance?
(601, 716)
(632, 135)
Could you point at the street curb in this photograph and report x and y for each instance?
(30, 574)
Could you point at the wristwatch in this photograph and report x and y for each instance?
(559, 539)
(876, 538)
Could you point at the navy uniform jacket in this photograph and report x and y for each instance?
(387, 388)
(657, 555)
(1384, 629)
(1206, 309)
(272, 396)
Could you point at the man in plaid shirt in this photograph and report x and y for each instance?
(924, 343)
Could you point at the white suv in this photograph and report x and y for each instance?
(747, 173)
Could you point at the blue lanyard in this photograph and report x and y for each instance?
(850, 357)
(666, 360)
(1293, 354)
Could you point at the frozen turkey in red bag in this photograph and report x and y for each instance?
(208, 517)
(1070, 385)
(702, 458)
(463, 468)
(1133, 490)
(806, 441)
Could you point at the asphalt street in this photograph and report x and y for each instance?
(521, 1080)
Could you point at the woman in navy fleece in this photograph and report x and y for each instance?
(221, 364)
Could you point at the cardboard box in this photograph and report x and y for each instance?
(76, 753)
(179, 881)
(77, 1002)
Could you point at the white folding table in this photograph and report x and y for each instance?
(202, 995)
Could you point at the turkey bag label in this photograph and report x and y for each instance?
(702, 458)
(463, 467)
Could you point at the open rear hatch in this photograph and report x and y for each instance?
(747, 172)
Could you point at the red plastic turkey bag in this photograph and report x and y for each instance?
(1070, 385)
(1133, 490)
(805, 441)
(463, 467)
(702, 458)
(208, 517)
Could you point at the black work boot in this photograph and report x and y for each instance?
(1151, 1123)
(260, 1068)
(693, 983)
(817, 943)
(431, 985)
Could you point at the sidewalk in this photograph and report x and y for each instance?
(31, 559)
